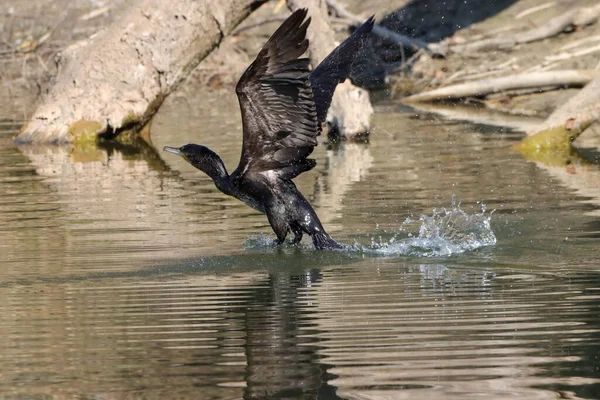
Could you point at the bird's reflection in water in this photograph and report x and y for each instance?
(281, 363)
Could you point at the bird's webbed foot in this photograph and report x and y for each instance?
(297, 238)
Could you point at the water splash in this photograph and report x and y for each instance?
(445, 232)
(261, 241)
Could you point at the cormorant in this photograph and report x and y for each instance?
(283, 105)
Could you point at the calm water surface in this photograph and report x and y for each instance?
(125, 274)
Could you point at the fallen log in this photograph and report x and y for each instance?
(566, 78)
(351, 110)
(117, 79)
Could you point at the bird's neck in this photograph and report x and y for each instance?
(218, 173)
(224, 184)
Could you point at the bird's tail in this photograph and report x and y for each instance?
(323, 241)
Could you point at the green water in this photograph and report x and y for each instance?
(126, 275)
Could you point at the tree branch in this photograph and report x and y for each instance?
(571, 78)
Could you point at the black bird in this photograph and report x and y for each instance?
(283, 106)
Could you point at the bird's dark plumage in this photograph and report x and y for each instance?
(283, 105)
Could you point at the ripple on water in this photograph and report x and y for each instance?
(429, 330)
(372, 329)
(93, 307)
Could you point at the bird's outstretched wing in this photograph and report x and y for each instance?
(283, 104)
(278, 111)
(335, 68)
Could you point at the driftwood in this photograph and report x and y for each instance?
(118, 78)
(577, 17)
(553, 60)
(570, 78)
(351, 110)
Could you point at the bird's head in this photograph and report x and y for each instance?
(202, 158)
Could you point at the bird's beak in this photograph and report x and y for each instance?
(173, 150)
